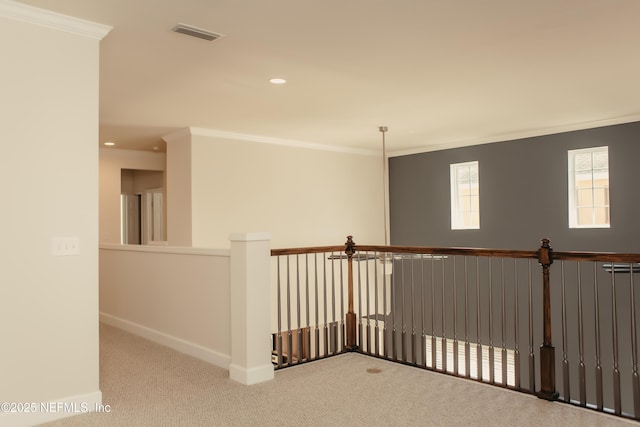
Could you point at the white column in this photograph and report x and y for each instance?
(250, 308)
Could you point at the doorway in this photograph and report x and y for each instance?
(142, 207)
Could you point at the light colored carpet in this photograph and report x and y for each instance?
(147, 384)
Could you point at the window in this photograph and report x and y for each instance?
(589, 188)
(465, 196)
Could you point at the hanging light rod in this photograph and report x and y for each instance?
(383, 129)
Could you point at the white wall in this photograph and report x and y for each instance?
(178, 191)
(112, 161)
(48, 182)
(302, 196)
(179, 297)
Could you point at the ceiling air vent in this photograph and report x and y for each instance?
(195, 32)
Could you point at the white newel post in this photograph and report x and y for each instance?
(250, 308)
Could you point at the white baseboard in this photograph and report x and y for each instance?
(251, 376)
(37, 413)
(183, 346)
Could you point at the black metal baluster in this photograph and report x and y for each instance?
(492, 368)
(444, 321)
(467, 347)
(565, 361)
(423, 339)
(455, 320)
(516, 322)
(503, 305)
(385, 347)
(368, 308)
(478, 322)
(385, 326)
(598, 373)
(403, 341)
(333, 332)
(582, 378)
(343, 326)
(617, 400)
(376, 309)
(434, 355)
(634, 348)
(307, 339)
(414, 358)
(289, 335)
(532, 365)
(299, 312)
(279, 304)
(360, 326)
(394, 332)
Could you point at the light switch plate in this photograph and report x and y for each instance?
(65, 246)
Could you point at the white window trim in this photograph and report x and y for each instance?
(573, 220)
(456, 221)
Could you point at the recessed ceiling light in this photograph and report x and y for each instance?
(278, 81)
(109, 143)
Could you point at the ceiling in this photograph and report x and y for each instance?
(437, 73)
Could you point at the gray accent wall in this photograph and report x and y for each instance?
(523, 194)
(523, 198)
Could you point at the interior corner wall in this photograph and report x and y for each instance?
(49, 183)
(523, 194)
(302, 196)
(178, 190)
(112, 161)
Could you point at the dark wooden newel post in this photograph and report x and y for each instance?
(351, 315)
(547, 352)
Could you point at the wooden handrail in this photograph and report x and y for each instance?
(307, 250)
(597, 256)
(503, 253)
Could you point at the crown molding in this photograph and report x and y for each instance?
(22, 12)
(179, 135)
(279, 141)
(531, 133)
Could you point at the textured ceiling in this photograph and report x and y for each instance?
(437, 73)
